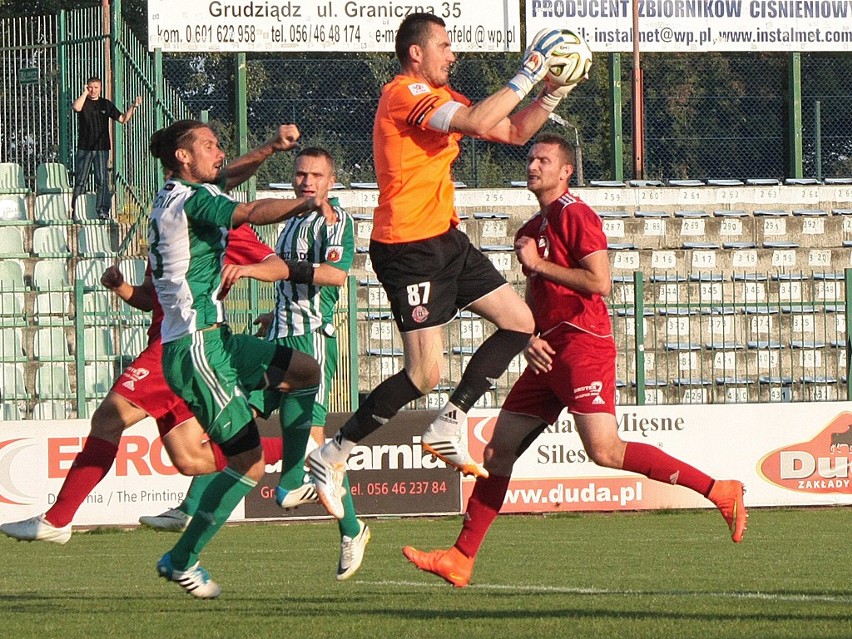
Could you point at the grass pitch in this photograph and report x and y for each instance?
(654, 575)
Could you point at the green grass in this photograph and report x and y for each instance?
(591, 576)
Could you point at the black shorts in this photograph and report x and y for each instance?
(428, 281)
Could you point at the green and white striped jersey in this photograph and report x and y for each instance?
(301, 308)
(187, 235)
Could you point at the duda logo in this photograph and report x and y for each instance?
(821, 465)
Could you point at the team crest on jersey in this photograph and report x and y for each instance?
(134, 374)
(420, 314)
(418, 87)
(333, 254)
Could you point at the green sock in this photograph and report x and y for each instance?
(349, 525)
(296, 417)
(221, 497)
(197, 487)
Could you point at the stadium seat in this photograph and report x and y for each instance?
(52, 177)
(11, 411)
(12, 309)
(89, 271)
(13, 210)
(52, 409)
(51, 208)
(12, 179)
(52, 309)
(52, 381)
(12, 344)
(97, 241)
(98, 378)
(50, 241)
(133, 270)
(98, 308)
(97, 344)
(12, 276)
(51, 344)
(12, 243)
(12, 384)
(50, 275)
(132, 341)
(85, 209)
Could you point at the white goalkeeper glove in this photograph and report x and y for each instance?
(534, 63)
(551, 94)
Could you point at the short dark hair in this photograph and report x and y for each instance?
(564, 145)
(317, 152)
(414, 29)
(94, 78)
(165, 142)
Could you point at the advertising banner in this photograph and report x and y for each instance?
(786, 454)
(326, 25)
(389, 474)
(700, 25)
(35, 458)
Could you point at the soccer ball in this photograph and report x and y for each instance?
(570, 61)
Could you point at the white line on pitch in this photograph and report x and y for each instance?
(566, 590)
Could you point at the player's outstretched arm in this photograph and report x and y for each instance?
(242, 168)
(491, 118)
(274, 210)
(271, 269)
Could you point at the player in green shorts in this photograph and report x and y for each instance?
(210, 368)
(303, 321)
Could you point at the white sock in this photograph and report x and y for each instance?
(337, 450)
(449, 421)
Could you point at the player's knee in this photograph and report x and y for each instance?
(605, 456)
(304, 372)
(107, 423)
(499, 460)
(190, 466)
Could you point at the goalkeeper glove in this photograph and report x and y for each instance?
(534, 63)
(551, 95)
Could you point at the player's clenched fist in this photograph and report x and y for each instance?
(288, 136)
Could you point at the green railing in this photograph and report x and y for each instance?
(771, 337)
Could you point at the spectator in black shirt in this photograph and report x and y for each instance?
(93, 144)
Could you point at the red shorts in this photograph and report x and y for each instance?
(582, 379)
(143, 385)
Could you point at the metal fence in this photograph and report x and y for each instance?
(722, 116)
(707, 115)
(748, 337)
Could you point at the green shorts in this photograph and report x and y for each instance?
(322, 348)
(212, 370)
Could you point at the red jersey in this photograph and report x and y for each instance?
(244, 247)
(413, 162)
(565, 232)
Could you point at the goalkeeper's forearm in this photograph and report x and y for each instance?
(271, 210)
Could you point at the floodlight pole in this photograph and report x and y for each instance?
(638, 103)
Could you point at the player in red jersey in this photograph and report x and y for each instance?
(571, 364)
(141, 390)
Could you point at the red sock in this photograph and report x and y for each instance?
(482, 508)
(273, 449)
(219, 456)
(652, 462)
(90, 466)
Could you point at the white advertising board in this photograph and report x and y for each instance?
(326, 25)
(786, 454)
(701, 25)
(35, 457)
